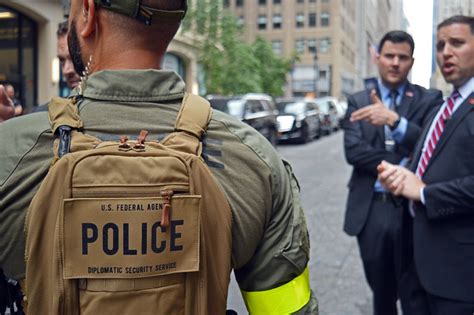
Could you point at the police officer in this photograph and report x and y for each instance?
(119, 49)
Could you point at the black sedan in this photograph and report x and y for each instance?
(298, 120)
(256, 110)
(328, 115)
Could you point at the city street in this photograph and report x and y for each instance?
(336, 270)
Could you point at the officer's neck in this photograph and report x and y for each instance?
(126, 59)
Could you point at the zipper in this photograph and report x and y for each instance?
(167, 194)
(128, 191)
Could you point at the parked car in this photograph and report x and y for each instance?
(340, 106)
(298, 120)
(256, 110)
(328, 115)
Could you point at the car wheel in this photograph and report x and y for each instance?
(305, 136)
(273, 138)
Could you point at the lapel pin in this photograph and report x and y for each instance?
(409, 93)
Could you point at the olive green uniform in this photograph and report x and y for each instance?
(270, 238)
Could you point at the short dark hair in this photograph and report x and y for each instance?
(62, 29)
(397, 37)
(458, 19)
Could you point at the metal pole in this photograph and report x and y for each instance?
(315, 77)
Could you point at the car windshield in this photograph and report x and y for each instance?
(232, 106)
(236, 108)
(323, 106)
(295, 108)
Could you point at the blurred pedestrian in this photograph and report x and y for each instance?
(440, 185)
(16, 102)
(67, 67)
(7, 110)
(383, 122)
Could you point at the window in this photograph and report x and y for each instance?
(240, 20)
(239, 3)
(323, 74)
(19, 57)
(311, 45)
(312, 19)
(226, 3)
(276, 1)
(312, 0)
(300, 19)
(262, 22)
(277, 47)
(262, 2)
(277, 21)
(324, 45)
(299, 46)
(300, 1)
(325, 17)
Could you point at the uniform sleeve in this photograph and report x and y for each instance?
(283, 254)
(26, 151)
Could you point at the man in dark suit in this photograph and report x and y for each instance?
(440, 185)
(382, 124)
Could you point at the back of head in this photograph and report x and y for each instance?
(151, 23)
(458, 19)
(397, 37)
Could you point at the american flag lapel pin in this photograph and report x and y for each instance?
(409, 93)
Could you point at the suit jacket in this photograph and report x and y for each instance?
(443, 229)
(364, 146)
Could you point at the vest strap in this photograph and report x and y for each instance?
(285, 299)
(63, 112)
(194, 115)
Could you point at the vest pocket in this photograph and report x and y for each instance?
(154, 295)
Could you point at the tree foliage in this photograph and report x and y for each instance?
(232, 66)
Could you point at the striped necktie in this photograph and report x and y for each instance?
(436, 134)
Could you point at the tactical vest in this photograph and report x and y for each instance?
(129, 227)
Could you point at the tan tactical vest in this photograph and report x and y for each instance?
(129, 227)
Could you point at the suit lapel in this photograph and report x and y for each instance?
(451, 125)
(406, 103)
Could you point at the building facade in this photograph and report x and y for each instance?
(333, 38)
(28, 51)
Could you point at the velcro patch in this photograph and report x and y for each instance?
(123, 238)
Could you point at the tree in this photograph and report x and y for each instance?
(272, 69)
(232, 66)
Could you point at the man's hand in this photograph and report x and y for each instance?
(400, 181)
(376, 113)
(7, 110)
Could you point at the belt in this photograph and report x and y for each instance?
(387, 197)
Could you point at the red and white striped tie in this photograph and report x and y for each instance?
(436, 134)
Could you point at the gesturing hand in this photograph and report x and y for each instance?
(376, 114)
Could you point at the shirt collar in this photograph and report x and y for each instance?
(467, 88)
(134, 85)
(385, 91)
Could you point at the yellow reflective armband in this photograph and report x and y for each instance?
(285, 299)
